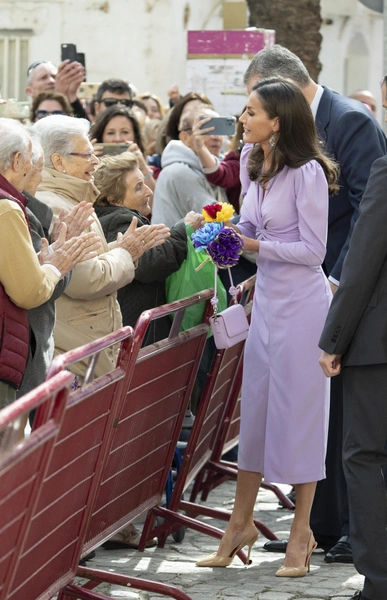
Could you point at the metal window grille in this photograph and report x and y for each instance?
(14, 53)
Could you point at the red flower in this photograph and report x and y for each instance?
(212, 210)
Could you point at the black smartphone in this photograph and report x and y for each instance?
(69, 52)
(82, 59)
(222, 125)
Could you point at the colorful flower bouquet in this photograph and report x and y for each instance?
(224, 247)
(223, 244)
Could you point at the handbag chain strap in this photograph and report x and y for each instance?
(232, 290)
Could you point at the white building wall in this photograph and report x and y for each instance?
(352, 50)
(144, 41)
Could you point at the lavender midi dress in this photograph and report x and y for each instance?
(285, 395)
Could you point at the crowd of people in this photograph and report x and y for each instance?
(96, 201)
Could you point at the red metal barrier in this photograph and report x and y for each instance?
(53, 542)
(23, 465)
(145, 436)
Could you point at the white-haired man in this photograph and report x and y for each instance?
(43, 76)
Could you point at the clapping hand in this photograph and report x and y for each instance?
(77, 220)
(65, 254)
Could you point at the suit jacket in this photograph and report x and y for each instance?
(354, 138)
(356, 325)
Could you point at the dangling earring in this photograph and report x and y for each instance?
(65, 171)
(272, 140)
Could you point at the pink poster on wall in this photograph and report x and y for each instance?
(217, 61)
(233, 43)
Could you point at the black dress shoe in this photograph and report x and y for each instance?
(276, 546)
(341, 552)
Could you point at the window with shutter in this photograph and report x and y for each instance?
(14, 54)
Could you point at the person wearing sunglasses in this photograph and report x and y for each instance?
(112, 92)
(49, 103)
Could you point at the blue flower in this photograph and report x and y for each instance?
(205, 235)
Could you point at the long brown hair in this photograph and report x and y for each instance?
(297, 142)
(107, 115)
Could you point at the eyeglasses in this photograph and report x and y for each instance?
(113, 101)
(87, 156)
(40, 114)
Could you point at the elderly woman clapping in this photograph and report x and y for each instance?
(26, 280)
(125, 197)
(89, 309)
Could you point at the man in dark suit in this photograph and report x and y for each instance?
(355, 340)
(355, 140)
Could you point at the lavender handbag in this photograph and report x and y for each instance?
(231, 325)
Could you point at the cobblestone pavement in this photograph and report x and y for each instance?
(175, 564)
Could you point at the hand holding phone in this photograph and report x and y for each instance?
(68, 52)
(114, 149)
(70, 74)
(219, 126)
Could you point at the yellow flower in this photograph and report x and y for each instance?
(219, 212)
(226, 213)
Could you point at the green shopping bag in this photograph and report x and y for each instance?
(187, 281)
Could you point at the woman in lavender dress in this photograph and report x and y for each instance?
(285, 398)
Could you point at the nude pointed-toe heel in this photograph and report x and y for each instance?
(299, 571)
(215, 560)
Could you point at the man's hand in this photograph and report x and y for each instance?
(334, 287)
(137, 241)
(68, 79)
(330, 364)
(77, 220)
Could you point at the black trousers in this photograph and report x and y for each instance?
(365, 433)
(330, 512)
